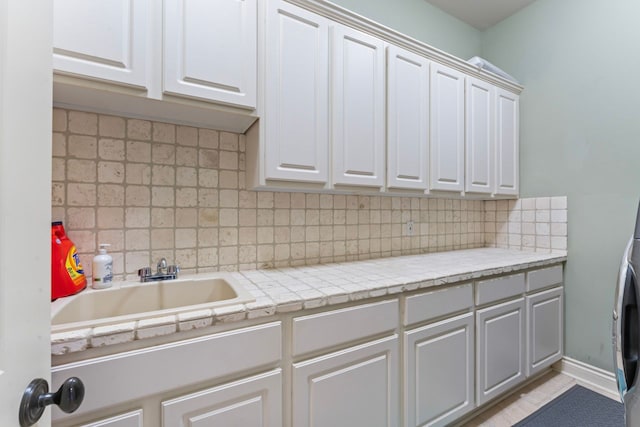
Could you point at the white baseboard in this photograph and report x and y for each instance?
(596, 378)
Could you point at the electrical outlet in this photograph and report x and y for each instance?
(409, 228)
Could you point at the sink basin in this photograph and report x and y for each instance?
(135, 301)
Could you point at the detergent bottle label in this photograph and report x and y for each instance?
(73, 266)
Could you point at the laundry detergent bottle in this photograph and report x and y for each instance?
(67, 275)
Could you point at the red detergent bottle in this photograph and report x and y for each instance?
(67, 275)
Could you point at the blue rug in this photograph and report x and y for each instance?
(577, 407)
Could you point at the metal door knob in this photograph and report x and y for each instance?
(37, 397)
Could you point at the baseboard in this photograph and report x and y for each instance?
(596, 378)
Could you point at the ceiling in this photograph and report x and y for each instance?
(481, 14)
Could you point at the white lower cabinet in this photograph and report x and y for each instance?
(501, 348)
(544, 329)
(252, 402)
(439, 372)
(462, 346)
(353, 387)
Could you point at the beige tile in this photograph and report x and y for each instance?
(59, 120)
(228, 179)
(136, 195)
(208, 138)
(164, 132)
(187, 136)
(138, 151)
(109, 218)
(162, 196)
(163, 154)
(228, 160)
(59, 144)
(111, 126)
(82, 147)
(110, 195)
(208, 177)
(229, 141)
(111, 149)
(186, 177)
(139, 129)
(163, 175)
(162, 238)
(136, 240)
(112, 172)
(186, 156)
(83, 123)
(186, 217)
(81, 194)
(186, 197)
(138, 173)
(185, 238)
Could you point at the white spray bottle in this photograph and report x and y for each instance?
(102, 269)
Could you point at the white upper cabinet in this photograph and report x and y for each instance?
(296, 95)
(507, 142)
(407, 119)
(479, 173)
(210, 50)
(358, 108)
(102, 40)
(447, 129)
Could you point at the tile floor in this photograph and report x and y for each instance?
(528, 400)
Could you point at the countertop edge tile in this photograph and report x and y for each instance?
(286, 290)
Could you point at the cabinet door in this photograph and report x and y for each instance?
(507, 142)
(130, 419)
(479, 173)
(407, 119)
(252, 402)
(447, 129)
(501, 348)
(296, 95)
(354, 387)
(439, 372)
(104, 40)
(210, 50)
(357, 108)
(544, 329)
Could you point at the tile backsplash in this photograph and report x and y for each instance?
(155, 190)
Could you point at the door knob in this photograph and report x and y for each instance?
(37, 397)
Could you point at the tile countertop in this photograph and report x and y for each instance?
(298, 288)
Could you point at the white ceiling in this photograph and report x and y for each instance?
(481, 14)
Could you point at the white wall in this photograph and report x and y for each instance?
(580, 127)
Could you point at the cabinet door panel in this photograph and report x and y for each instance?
(507, 142)
(439, 372)
(353, 387)
(357, 108)
(407, 119)
(104, 40)
(447, 129)
(130, 419)
(211, 50)
(254, 347)
(296, 86)
(479, 171)
(544, 329)
(253, 402)
(501, 348)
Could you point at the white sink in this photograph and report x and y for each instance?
(135, 301)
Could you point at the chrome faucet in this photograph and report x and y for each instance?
(163, 272)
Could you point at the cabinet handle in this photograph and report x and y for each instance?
(36, 397)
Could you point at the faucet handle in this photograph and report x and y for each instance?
(144, 272)
(173, 270)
